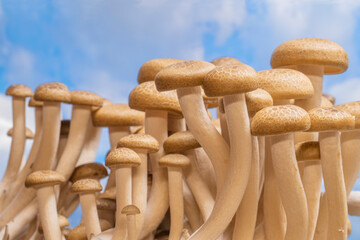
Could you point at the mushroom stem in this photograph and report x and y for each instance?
(224, 127)
(261, 141)
(322, 220)
(90, 214)
(353, 203)
(88, 153)
(131, 226)
(206, 170)
(191, 209)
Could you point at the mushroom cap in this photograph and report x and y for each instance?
(130, 210)
(89, 170)
(257, 100)
(330, 119)
(63, 222)
(44, 178)
(226, 61)
(325, 103)
(34, 103)
(307, 151)
(86, 185)
(279, 120)
(106, 204)
(109, 194)
(354, 109)
(174, 160)
(146, 97)
(180, 142)
(64, 127)
(114, 115)
(28, 133)
(122, 157)
(286, 84)
(227, 80)
(311, 51)
(329, 97)
(150, 68)
(210, 102)
(52, 92)
(183, 74)
(19, 90)
(79, 232)
(86, 98)
(139, 141)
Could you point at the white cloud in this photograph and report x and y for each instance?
(346, 91)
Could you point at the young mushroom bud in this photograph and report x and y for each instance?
(131, 211)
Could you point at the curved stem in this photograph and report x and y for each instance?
(191, 209)
(322, 221)
(88, 153)
(224, 127)
(90, 214)
(176, 202)
(206, 170)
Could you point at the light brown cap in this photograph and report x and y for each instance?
(210, 102)
(311, 51)
(86, 98)
(354, 109)
(105, 204)
(139, 141)
(227, 80)
(180, 142)
(52, 92)
(28, 133)
(34, 103)
(109, 193)
(122, 157)
(330, 119)
(64, 127)
(63, 222)
(325, 103)
(130, 210)
(89, 170)
(307, 151)
(146, 97)
(149, 69)
(44, 178)
(19, 90)
(174, 160)
(329, 97)
(286, 84)
(86, 185)
(226, 61)
(279, 120)
(183, 74)
(115, 115)
(257, 100)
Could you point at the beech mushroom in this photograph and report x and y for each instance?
(106, 208)
(191, 209)
(131, 211)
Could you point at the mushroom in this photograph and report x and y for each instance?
(175, 163)
(106, 208)
(64, 134)
(44, 182)
(191, 209)
(280, 122)
(63, 222)
(28, 133)
(226, 61)
(329, 97)
(131, 211)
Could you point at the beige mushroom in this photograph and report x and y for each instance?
(106, 209)
(131, 211)
(329, 97)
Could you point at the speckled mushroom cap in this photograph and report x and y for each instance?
(330, 119)
(257, 100)
(44, 178)
(106, 204)
(34, 103)
(227, 80)
(329, 97)
(139, 141)
(354, 109)
(174, 160)
(89, 170)
(122, 157)
(149, 69)
(63, 222)
(286, 84)
(311, 51)
(280, 120)
(307, 151)
(146, 97)
(226, 61)
(86, 185)
(109, 193)
(52, 92)
(28, 133)
(115, 115)
(325, 103)
(19, 90)
(183, 74)
(130, 210)
(64, 127)
(180, 142)
(86, 98)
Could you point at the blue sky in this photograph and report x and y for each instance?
(99, 45)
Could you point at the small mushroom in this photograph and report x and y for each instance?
(131, 211)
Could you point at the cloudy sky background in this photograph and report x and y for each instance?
(99, 45)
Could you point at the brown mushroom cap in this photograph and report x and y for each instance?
(89, 170)
(109, 194)
(227, 80)
(149, 69)
(146, 97)
(325, 103)
(117, 115)
(354, 109)
(174, 160)
(329, 97)
(130, 210)
(106, 204)
(139, 141)
(286, 84)
(19, 90)
(64, 127)
(330, 119)
(44, 178)
(180, 142)
(311, 51)
(307, 151)
(52, 92)
(34, 103)
(28, 133)
(257, 100)
(86, 98)
(279, 120)
(86, 185)
(63, 222)
(122, 157)
(226, 61)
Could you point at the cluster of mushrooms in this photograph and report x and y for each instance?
(177, 172)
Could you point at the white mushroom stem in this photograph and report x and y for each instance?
(88, 153)
(176, 125)
(224, 127)
(158, 202)
(290, 186)
(322, 221)
(354, 203)
(90, 214)
(61, 147)
(191, 208)
(131, 226)
(206, 170)
(331, 163)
